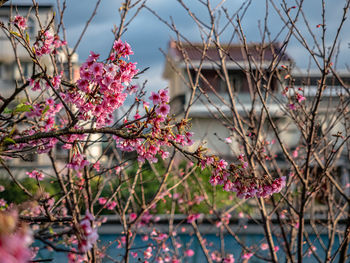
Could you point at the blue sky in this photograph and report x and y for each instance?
(147, 34)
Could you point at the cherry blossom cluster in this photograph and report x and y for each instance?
(41, 146)
(73, 257)
(70, 139)
(159, 249)
(14, 239)
(44, 113)
(48, 44)
(156, 130)
(78, 162)
(225, 219)
(35, 209)
(20, 21)
(101, 88)
(55, 82)
(109, 205)
(36, 175)
(216, 257)
(193, 217)
(298, 98)
(89, 233)
(235, 179)
(120, 49)
(161, 100)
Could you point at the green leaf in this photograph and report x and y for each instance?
(46, 109)
(15, 33)
(27, 37)
(7, 111)
(13, 130)
(22, 108)
(9, 140)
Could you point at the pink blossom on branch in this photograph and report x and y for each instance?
(189, 253)
(229, 259)
(264, 246)
(122, 49)
(247, 255)
(36, 175)
(20, 21)
(155, 98)
(193, 217)
(89, 233)
(78, 162)
(14, 239)
(300, 97)
(47, 43)
(163, 109)
(244, 187)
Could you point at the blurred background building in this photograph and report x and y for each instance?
(16, 65)
(207, 110)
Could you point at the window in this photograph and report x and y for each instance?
(238, 82)
(7, 71)
(4, 19)
(27, 68)
(209, 81)
(31, 27)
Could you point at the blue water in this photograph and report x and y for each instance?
(188, 241)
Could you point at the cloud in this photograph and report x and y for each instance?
(154, 78)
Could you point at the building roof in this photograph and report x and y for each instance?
(28, 3)
(235, 52)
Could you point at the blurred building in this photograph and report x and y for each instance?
(14, 56)
(9, 68)
(206, 109)
(208, 113)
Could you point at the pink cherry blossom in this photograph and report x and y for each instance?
(163, 109)
(36, 175)
(111, 205)
(155, 98)
(102, 201)
(122, 49)
(133, 216)
(148, 253)
(192, 217)
(164, 95)
(20, 21)
(89, 232)
(300, 97)
(264, 246)
(96, 69)
(247, 255)
(3, 202)
(229, 259)
(14, 239)
(47, 44)
(189, 253)
(78, 162)
(292, 106)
